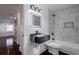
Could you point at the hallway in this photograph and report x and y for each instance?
(11, 50)
(9, 29)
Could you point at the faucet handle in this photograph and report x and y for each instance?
(52, 33)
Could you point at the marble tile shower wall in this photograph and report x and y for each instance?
(68, 15)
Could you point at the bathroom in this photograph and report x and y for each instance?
(42, 29)
(60, 21)
(39, 29)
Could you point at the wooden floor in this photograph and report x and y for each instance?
(13, 50)
(8, 50)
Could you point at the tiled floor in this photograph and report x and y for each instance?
(47, 53)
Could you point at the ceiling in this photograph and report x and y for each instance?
(13, 8)
(9, 7)
(8, 10)
(57, 7)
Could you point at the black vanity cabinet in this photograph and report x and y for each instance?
(39, 38)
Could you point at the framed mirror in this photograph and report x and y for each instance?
(35, 19)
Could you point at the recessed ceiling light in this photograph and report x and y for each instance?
(15, 18)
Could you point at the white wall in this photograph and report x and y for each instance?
(21, 29)
(68, 15)
(51, 22)
(28, 46)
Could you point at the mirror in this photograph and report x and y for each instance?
(35, 20)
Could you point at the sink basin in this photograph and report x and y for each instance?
(39, 38)
(39, 35)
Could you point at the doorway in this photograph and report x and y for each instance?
(9, 29)
(51, 23)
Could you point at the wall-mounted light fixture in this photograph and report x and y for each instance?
(32, 7)
(35, 8)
